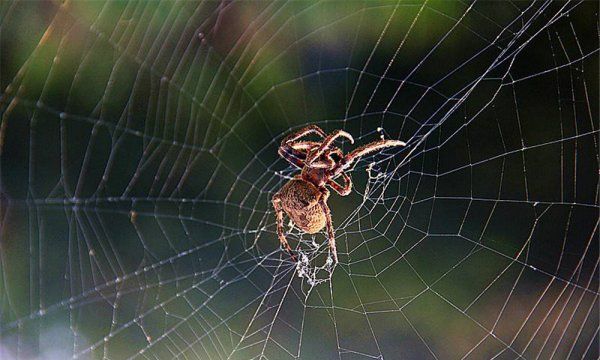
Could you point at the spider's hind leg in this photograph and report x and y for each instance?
(280, 232)
(330, 233)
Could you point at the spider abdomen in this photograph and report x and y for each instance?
(300, 201)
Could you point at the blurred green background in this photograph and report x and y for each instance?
(138, 156)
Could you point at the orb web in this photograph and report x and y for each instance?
(138, 157)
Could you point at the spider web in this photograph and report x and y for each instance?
(138, 156)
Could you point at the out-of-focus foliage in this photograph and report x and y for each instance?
(138, 154)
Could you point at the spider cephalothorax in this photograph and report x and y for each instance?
(304, 198)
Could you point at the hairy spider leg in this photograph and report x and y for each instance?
(327, 161)
(296, 156)
(280, 232)
(305, 146)
(330, 233)
(342, 190)
(327, 143)
(347, 161)
(310, 129)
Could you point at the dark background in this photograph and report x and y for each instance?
(138, 156)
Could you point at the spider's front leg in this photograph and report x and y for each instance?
(347, 161)
(276, 200)
(294, 152)
(325, 145)
(330, 233)
(327, 161)
(310, 129)
(370, 148)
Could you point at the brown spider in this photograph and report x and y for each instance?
(304, 198)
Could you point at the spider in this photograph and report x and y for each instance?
(304, 198)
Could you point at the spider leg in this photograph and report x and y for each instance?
(291, 151)
(327, 161)
(322, 164)
(342, 190)
(295, 152)
(336, 151)
(291, 155)
(305, 146)
(310, 129)
(276, 200)
(330, 233)
(372, 147)
(327, 143)
(362, 151)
